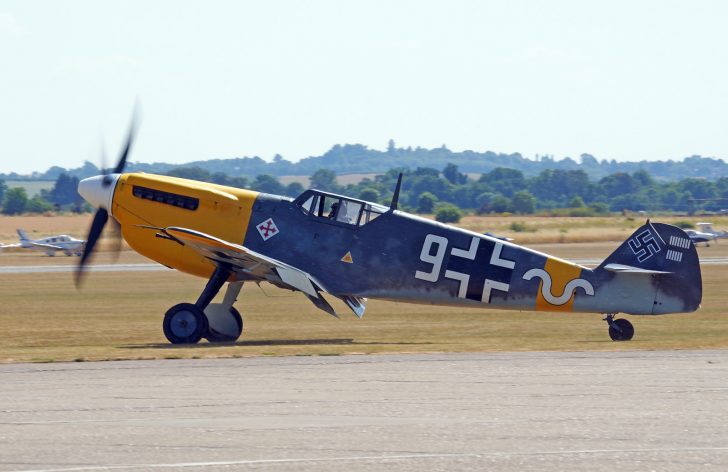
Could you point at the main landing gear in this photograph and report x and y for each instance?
(187, 323)
(619, 329)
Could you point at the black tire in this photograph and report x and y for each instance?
(215, 337)
(621, 330)
(184, 323)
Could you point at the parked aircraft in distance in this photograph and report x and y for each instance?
(50, 245)
(705, 227)
(323, 243)
(699, 237)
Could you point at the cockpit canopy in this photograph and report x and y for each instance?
(338, 208)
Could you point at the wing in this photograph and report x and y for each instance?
(250, 264)
(46, 246)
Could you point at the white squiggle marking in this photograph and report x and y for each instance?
(571, 286)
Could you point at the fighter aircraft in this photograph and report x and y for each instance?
(50, 245)
(329, 245)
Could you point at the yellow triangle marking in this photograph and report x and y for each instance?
(347, 258)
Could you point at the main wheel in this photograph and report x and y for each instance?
(217, 337)
(184, 323)
(621, 330)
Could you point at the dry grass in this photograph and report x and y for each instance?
(563, 229)
(38, 226)
(118, 316)
(541, 229)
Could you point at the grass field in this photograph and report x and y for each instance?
(119, 315)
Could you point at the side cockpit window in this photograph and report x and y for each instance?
(309, 205)
(371, 212)
(338, 209)
(348, 212)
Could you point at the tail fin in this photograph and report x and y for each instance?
(23, 235)
(666, 254)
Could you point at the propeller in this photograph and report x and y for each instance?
(102, 214)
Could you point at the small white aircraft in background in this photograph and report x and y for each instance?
(50, 245)
(699, 237)
(707, 228)
(705, 234)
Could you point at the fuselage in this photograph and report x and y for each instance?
(369, 252)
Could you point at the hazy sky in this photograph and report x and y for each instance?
(623, 80)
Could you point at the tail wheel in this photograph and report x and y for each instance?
(184, 323)
(217, 337)
(621, 330)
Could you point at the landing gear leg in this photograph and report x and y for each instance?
(225, 322)
(619, 329)
(187, 323)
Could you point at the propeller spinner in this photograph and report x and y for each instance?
(99, 191)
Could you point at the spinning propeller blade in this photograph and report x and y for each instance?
(102, 214)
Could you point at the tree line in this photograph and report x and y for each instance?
(505, 190)
(357, 158)
(428, 190)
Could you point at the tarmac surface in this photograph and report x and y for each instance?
(659, 410)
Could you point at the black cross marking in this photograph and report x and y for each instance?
(479, 269)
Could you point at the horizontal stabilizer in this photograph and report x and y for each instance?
(631, 269)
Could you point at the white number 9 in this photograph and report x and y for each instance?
(436, 259)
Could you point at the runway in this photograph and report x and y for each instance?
(146, 267)
(656, 410)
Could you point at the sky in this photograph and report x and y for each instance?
(624, 80)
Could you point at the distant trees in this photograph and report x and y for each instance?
(427, 190)
(267, 184)
(357, 158)
(15, 201)
(198, 173)
(504, 181)
(523, 202)
(324, 179)
(426, 202)
(294, 189)
(64, 191)
(38, 204)
(509, 190)
(448, 213)
(369, 194)
(451, 173)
